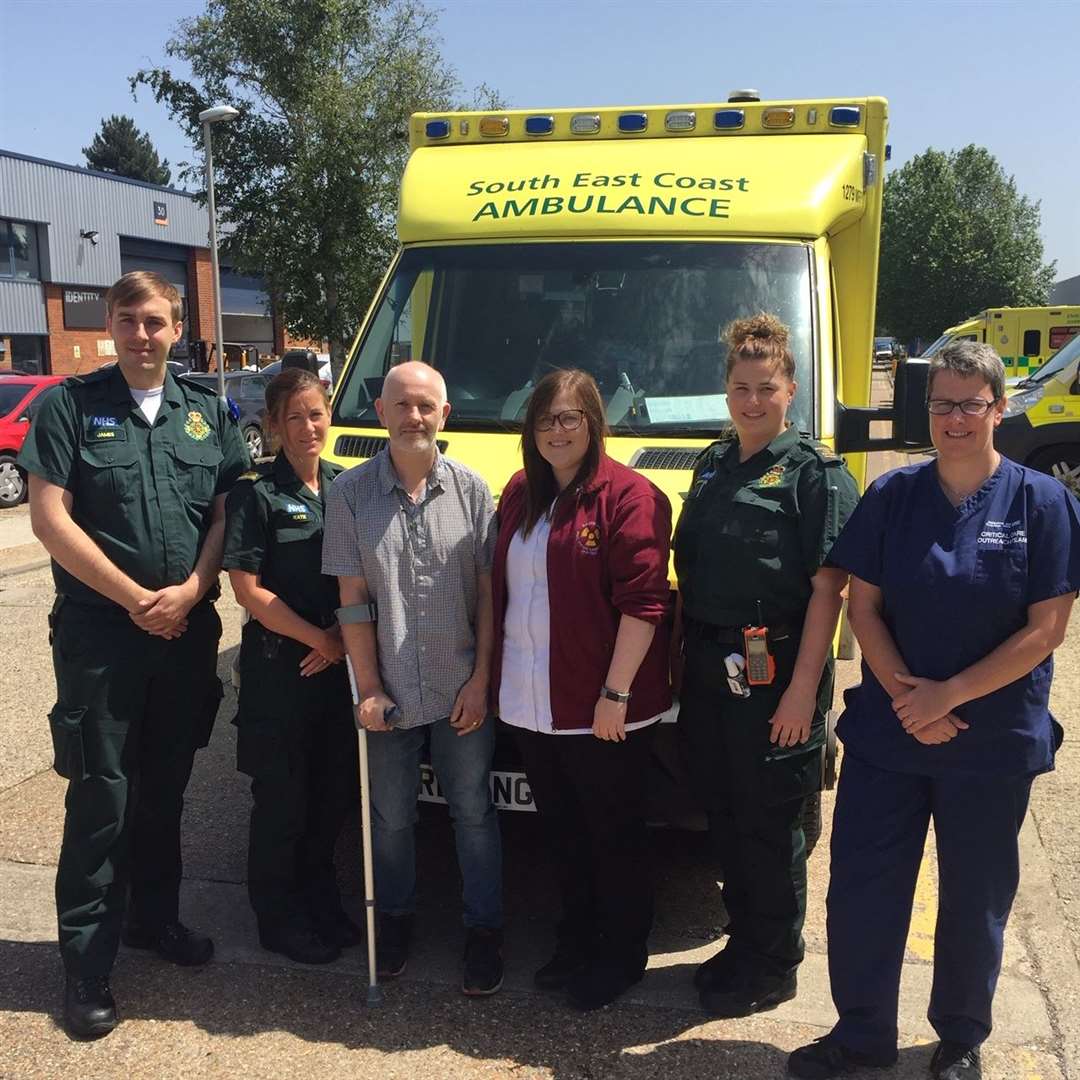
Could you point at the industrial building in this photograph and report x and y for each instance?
(67, 233)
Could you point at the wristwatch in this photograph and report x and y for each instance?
(621, 696)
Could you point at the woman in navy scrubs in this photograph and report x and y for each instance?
(964, 571)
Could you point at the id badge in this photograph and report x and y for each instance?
(760, 665)
(735, 669)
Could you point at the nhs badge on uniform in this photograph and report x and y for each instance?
(105, 427)
(298, 511)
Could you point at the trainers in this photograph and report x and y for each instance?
(89, 1008)
(392, 945)
(299, 942)
(173, 942)
(955, 1061)
(826, 1057)
(483, 971)
(567, 962)
(744, 997)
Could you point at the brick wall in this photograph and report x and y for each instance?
(284, 341)
(200, 295)
(73, 351)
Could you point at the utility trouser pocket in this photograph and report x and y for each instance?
(69, 757)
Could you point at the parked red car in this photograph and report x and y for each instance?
(19, 397)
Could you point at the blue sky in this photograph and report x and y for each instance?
(1003, 75)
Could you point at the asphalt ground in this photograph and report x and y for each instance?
(254, 1014)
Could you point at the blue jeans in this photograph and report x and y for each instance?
(462, 764)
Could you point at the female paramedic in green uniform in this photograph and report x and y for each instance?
(296, 738)
(762, 512)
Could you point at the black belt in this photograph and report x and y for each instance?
(733, 635)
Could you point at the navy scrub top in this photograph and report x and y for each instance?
(956, 582)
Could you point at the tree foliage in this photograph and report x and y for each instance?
(957, 237)
(307, 176)
(121, 148)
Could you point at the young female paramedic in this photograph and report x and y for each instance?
(964, 571)
(758, 614)
(296, 738)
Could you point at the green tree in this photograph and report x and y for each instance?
(957, 236)
(121, 148)
(307, 176)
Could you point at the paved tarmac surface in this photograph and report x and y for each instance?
(255, 1014)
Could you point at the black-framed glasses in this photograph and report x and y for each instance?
(568, 419)
(971, 407)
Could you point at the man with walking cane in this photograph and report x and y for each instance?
(409, 534)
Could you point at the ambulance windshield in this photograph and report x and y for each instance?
(646, 319)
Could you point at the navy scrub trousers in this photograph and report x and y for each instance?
(879, 832)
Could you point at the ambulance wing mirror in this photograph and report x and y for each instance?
(907, 415)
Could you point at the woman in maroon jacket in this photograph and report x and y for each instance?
(581, 598)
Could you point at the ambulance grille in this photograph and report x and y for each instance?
(679, 458)
(367, 446)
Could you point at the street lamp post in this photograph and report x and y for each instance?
(206, 118)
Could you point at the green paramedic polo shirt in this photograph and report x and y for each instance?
(143, 493)
(274, 528)
(757, 531)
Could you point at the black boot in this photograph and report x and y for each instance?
(173, 942)
(298, 941)
(89, 1008)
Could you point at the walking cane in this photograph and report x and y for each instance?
(374, 993)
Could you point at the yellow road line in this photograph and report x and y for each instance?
(920, 940)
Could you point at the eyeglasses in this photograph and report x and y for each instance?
(972, 407)
(569, 420)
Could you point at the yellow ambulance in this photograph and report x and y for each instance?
(623, 241)
(1041, 427)
(1025, 338)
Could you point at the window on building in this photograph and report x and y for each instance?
(24, 353)
(1032, 340)
(18, 250)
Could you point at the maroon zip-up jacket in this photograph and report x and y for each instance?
(607, 556)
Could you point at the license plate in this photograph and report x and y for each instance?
(509, 790)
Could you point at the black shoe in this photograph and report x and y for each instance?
(826, 1057)
(483, 972)
(955, 1061)
(173, 942)
(718, 968)
(89, 1009)
(336, 928)
(392, 945)
(298, 941)
(598, 985)
(556, 974)
(745, 996)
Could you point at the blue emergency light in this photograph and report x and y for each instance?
(539, 125)
(728, 119)
(633, 121)
(437, 129)
(845, 116)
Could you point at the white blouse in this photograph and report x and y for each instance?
(525, 687)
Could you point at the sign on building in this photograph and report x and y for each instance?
(84, 309)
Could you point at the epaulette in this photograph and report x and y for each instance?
(259, 472)
(97, 375)
(194, 384)
(825, 454)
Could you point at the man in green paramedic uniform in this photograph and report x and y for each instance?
(128, 468)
